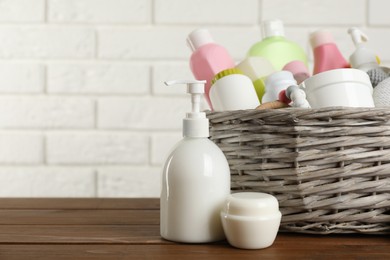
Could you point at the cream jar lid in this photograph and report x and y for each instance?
(250, 204)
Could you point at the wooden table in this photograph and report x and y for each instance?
(129, 229)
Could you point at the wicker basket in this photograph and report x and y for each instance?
(329, 168)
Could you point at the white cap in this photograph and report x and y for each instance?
(199, 37)
(282, 77)
(251, 204)
(195, 124)
(320, 37)
(272, 28)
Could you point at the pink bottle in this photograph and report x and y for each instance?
(208, 58)
(327, 55)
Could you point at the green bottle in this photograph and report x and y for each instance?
(276, 48)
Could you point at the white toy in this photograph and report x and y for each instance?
(297, 96)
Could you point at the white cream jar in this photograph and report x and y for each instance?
(251, 219)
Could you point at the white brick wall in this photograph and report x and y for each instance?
(21, 148)
(133, 181)
(83, 108)
(47, 41)
(41, 112)
(206, 12)
(100, 11)
(22, 11)
(46, 181)
(316, 12)
(97, 148)
(22, 78)
(146, 113)
(98, 78)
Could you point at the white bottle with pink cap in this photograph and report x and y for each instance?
(208, 58)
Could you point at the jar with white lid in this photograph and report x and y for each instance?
(339, 87)
(251, 220)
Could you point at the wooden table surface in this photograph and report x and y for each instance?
(129, 229)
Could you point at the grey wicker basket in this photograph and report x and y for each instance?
(329, 168)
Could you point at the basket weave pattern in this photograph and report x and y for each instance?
(329, 168)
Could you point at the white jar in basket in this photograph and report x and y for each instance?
(339, 87)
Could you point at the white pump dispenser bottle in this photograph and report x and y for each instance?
(362, 58)
(195, 181)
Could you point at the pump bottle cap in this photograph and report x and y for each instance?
(358, 37)
(320, 37)
(195, 124)
(272, 28)
(198, 38)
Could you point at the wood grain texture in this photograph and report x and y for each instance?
(129, 229)
(79, 217)
(80, 234)
(79, 203)
(285, 247)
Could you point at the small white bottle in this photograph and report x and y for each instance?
(232, 90)
(275, 83)
(195, 181)
(257, 69)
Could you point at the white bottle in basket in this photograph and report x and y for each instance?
(195, 181)
(275, 83)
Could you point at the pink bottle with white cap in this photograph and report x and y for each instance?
(327, 55)
(208, 58)
(298, 69)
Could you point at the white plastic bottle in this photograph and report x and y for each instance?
(232, 90)
(257, 69)
(366, 60)
(208, 58)
(275, 83)
(362, 58)
(195, 181)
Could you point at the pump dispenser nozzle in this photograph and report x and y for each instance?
(195, 124)
(358, 37)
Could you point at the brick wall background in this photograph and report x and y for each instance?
(83, 108)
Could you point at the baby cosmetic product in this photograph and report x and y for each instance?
(276, 47)
(195, 181)
(232, 90)
(297, 97)
(365, 59)
(298, 69)
(362, 58)
(208, 58)
(339, 87)
(251, 220)
(257, 69)
(327, 55)
(275, 83)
